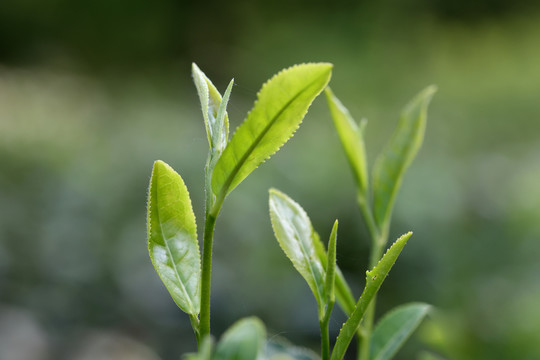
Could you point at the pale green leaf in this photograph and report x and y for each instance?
(245, 340)
(330, 275)
(392, 163)
(217, 128)
(280, 107)
(172, 237)
(295, 235)
(280, 349)
(394, 329)
(374, 280)
(352, 140)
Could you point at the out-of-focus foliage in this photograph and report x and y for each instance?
(85, 92)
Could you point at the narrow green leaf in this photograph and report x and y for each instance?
(280, 107)
(245, 340)
(394, 329)
(330, 274)
(352, 140)
(374, 280)
(217, 128)
(172, 237)
(398, 155)
(295, 235)
(344, 295)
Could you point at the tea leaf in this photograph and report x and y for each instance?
(245, 340)
(343, 292)
(352, 140)
(217, 127)
(295, 235)
(172, 237)
(398, 155)
(374, 280)
(394, 329)
(330, 275)
(280, 107)
(280, 349)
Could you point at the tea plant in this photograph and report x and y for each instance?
(280, 107)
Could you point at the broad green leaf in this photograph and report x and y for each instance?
(352, 140)
(343, 292)
(172, 237)
(394, 328)
(295, 235)
(280, 107)
(330, 275)
(245, 340)
(374, 280)
(398, 155)
(217, 128)
(279, 349)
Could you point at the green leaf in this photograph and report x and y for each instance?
(395, 328)
(343, 294)
(295, 235)
(280, 107)
(398, 155)
(172, 237)
(352, 140)
(217, 127)
(374, 280)
(330, 275)
(245, 340)
(280, 349)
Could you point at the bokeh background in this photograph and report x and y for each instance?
(92, 92)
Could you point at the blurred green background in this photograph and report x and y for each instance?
(92, 92)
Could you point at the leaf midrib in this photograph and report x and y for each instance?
(182, 287)
(258, 139)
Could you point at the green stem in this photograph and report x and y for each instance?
(209, 226)
(325, 336)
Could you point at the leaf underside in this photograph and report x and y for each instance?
(295, 235)
(280, 107)
(397, 156)
(394, 329)
(172, 237)
(210, 102)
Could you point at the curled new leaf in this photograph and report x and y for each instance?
(244, 340)
(172, 237)
(398, 155)
(280, 107)
(394, 328)
(374, 280)
(295, 235)
(217, 127)
(352, 140)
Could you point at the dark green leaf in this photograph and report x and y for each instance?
(172, 237)
(394, 328)
(330, 274)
